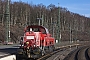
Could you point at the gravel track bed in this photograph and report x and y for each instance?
(61, 55)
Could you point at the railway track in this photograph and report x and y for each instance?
(50, 54)
(82, 53)
(60, 49)
(61, 53)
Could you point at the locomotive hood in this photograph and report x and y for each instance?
(36, 36)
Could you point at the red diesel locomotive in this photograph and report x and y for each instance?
(36, 41)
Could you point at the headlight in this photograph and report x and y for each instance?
(34, 45)
(27, 43)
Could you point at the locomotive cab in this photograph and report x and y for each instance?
(37, 41)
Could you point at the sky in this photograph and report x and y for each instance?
(81, 7)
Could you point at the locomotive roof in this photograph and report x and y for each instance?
(38, 26)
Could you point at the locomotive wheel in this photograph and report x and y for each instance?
(51, 48)
(28, 55)
(20, 51)
(37, 51)
(20, 54)
(43, 51)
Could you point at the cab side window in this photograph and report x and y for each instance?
(43, 31)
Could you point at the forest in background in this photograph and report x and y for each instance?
(23, 14)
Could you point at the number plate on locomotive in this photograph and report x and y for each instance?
(30, 37)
